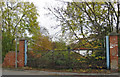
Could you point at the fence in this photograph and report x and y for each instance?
(97, 59)
(65, 59)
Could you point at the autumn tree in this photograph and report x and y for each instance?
(40, 42)
(83, 19)
(20, 16)
(59, 45)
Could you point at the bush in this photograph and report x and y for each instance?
(97, 60)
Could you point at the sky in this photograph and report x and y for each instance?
(45, 20)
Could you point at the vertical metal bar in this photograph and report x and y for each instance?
(107, 52)
(16, 50)
(1, 42)
(69, 57)
(16, 45)
(53, 59)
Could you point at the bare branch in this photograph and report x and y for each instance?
(68, 24)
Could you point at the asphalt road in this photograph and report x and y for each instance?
(35, 72)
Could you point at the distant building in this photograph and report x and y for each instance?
(83, 51)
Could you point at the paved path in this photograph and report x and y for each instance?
(35, 72)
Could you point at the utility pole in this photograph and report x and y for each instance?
(16, 48)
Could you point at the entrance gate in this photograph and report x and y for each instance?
(59, 59)
(72, 58)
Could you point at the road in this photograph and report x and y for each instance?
(36, 72)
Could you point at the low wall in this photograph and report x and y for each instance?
(9, 60)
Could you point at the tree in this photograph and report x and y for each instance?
(59, 45)
(81, 19)
(20, 16)
(40, 42)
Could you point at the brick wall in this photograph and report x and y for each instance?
(9, 60)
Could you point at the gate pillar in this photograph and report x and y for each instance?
(113, 37)
(22, 55)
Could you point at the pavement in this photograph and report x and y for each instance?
(36, 72)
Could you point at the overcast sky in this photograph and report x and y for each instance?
(45, 20)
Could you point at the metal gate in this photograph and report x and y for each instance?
(65, 59)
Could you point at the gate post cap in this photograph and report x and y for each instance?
(113, 34)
